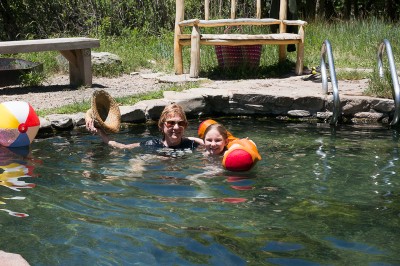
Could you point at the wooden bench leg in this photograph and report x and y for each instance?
(300, 53)
(300, 59)
(80, 66)
(195, 53)
(178, 60)
(282, 53)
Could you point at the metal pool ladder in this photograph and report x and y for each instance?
(396, 90)
(326, 50)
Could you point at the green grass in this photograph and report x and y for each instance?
(380, 87)
(354, 45)
(352, 74)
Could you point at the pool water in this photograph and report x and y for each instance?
(320, 196)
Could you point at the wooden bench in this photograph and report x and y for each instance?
(76, 50)
(196, 38)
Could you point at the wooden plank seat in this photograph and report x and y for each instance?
(76, 50)
(197, 38)
(244, 39)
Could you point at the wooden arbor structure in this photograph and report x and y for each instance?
(196, 38)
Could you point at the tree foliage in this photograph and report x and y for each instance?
(349, 9)
(28, 19)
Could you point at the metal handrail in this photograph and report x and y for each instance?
(396, 90)
(326, 50)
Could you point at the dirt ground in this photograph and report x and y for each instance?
(56, 91)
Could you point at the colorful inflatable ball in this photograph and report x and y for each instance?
(19, 124)
(242, 155)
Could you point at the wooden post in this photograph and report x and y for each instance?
(258, 13)
(195, 52)
(233, 9)
(283, 12)
(300, 53)
(80, 66)
(207, 9)
(282, 28)
(179, 16)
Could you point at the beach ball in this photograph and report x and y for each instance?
(19, 124)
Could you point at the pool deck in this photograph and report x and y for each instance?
(297, 86)
(294, 97)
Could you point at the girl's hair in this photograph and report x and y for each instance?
(171, 111)
(220, 128)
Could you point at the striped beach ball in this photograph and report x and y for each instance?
(19, 124)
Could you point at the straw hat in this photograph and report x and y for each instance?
(105, 111)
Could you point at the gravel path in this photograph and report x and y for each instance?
(56, 91)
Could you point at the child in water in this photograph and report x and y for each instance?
(238, 154)
(215, 139)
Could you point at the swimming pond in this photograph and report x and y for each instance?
(320, 196)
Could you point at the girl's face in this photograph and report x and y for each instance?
(214, 142)
(174, 128)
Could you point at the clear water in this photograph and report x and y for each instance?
(319, 197)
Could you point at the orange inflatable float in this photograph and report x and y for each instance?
(242, 154)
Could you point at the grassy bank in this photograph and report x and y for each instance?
(354, 45)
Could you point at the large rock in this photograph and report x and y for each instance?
(299, 113)
(105, 58)
(192, 102)
(132, 114)
(352, 105)
(153, 108)
(60, 121)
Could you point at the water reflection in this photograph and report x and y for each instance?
(350, 245)
(14, 166)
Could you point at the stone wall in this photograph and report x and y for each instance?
(211, 102)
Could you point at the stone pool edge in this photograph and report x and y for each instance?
(216, 102)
